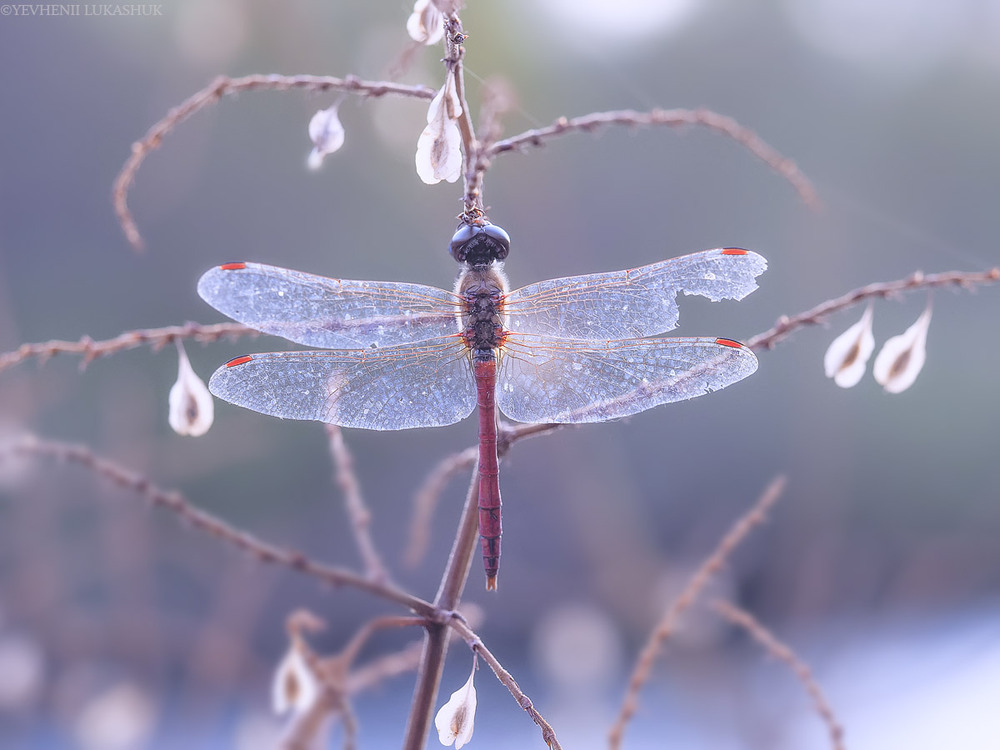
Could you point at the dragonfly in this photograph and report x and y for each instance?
(397, 355)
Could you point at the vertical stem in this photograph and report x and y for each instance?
(425, 692)
(460, 561)
(454, 38)
(436, 638)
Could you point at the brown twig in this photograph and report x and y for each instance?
(670, 117)
(787, 325)
(354, 503)
(426, 498)
(783, 653)
(224, 86)
(695, 586)
(454, 39)
(505, 677)
(156, 338)
(334, 675)
(449, 595)
(496, 102)
(203, 521)
(339, 678)
(384, 668)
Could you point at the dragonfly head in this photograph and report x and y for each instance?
(479, 245)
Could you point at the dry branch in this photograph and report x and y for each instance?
(783, 653)
(694, 588)
(477, 645)
(155, 338)
(224, 86)
(203, 521)
(354, 502)
(726, 126)
(426, 498)
(788, 325)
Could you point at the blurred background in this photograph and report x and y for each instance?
(121, 628)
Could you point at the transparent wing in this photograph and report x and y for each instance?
(556, 380)
(628, 304)
(328, 313)
(415, 385)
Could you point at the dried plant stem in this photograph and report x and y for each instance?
(496, 101)
(385, 667)
(477, 645)
(354, 502)
(199, 519)
(448, 598)
(787, 325)
(426, 499)
(156, 338)
(454, 37)
(333, 673)
(224, 86)
(435, 640)
(695, 586)
(670, 117)
(339, 678)
(783, 653)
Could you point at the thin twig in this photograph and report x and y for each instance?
(449, 595)
(695, 586)
(454, 39)
(477, 645)
(203, 521)
(671, 117)
(384, 668)
(224, 86)
(156, 338)
(426, 498)
(783, 653)
(334, 675)
(787, 325)
(354, 502)
(341, 680)
(496, 101)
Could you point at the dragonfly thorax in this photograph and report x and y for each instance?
(482, 318)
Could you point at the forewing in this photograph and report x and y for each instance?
(393, 388)
(556, 380)
(328, 313)
(628, 304)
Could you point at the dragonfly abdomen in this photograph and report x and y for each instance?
(484, 364)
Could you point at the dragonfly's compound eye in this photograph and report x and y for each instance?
(479, 245)
(459, 240)
(500, 238)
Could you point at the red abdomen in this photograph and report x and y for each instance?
(485, 368)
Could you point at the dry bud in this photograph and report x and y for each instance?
(439, 148)
(191, 407)
(455, 720)
(326, 133)
(902, 357)
(847, 357)
(426, 23)
(295, 688)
